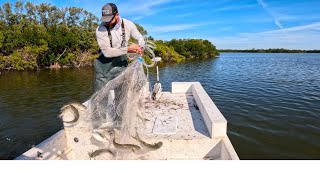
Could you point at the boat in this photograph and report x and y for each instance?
(197, 131)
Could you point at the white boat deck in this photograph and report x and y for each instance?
(186, 120)
(178, 111)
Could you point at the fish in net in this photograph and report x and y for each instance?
(115, 112)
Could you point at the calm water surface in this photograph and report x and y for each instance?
(271, 102)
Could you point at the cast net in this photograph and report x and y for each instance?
(116, 110)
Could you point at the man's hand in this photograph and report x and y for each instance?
(134, 48)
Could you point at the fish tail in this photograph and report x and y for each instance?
(76, 113)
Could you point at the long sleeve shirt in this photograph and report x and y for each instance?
(116, 33)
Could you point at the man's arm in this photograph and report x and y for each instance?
(137, 35)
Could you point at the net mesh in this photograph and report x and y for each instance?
(115, 110)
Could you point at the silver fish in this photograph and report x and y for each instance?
(150, 147)
(69, 114)
(98, 152)
(99, 136)
(79, 106)
(123, 147)
(126, 147)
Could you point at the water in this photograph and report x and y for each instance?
(30, 103)
(271, 102)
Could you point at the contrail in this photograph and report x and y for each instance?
(265, 7)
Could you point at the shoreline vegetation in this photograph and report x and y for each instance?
(277, 50)
(45, 36)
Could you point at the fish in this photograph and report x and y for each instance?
(150, 147)
(208, 158)
(69, 114)
(79, 106)
(100, 151)
(125, 147)
(142, 158)
(99, 136)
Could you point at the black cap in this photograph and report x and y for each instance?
(109, 10)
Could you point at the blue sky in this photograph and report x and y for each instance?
(245, 24)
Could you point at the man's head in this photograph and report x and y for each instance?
(110, 14)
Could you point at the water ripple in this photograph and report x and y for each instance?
(271, 102)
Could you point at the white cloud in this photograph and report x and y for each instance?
(136, 18)
(293, 18)
(298, 37)
(313, 26)
(171, 28)
(231, 8)
(156, 30)
(222, 29)
(271, 13)
(136, 10)
(184, 15)
(140, 8)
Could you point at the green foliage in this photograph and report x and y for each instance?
(1, 38)
(141, 29)
(18, 61)
(33, 36)
(194, 48)
(68, 59)
(167, 53)
(2, 63)
(147, 59)
(15, 60)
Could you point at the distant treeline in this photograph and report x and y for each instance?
(177, 50)
(36, 36)
(185, 49)
(280, 50)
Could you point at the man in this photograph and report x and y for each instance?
(113, 35)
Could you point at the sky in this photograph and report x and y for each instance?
(228, 24)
